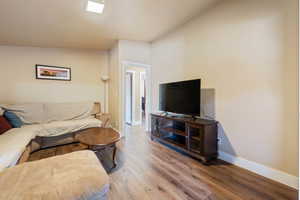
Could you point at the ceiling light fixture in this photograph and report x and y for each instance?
(95, 6)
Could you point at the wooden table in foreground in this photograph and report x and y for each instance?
(99, 139)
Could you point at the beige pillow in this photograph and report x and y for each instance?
(1, 111)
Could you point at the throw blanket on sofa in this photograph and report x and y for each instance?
(13, 144)
(14, 141)
(37, 113)
(68, 111)
(45, 120)
(62, 127)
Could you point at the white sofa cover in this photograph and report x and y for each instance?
(61, 120)
(13, 144)
(37, 113)
(62, 127)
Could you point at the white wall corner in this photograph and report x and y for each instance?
(262, 170)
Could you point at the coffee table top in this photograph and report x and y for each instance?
(98, 136)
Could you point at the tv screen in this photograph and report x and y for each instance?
(181, 97)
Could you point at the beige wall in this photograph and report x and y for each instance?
(137, 108)
(133, 51)
(247, 52)
(114, 86)
(18, 82)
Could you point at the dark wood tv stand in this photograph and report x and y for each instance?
(195, 137)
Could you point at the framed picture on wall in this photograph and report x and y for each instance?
(47, 72)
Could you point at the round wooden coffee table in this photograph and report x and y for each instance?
(99, 139)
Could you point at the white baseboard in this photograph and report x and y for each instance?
(262, 170)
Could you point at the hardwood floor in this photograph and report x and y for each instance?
(151, 171)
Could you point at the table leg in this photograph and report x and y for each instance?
(114, 156)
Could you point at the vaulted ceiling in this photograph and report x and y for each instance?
(65, 23)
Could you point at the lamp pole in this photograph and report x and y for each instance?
(105, 80)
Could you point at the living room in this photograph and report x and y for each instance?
(64, 90)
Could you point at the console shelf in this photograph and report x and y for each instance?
(195, 137)
(172, 142)
(175, 131)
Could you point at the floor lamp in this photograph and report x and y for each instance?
(105, 79)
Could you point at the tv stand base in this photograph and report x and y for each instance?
(195, 137)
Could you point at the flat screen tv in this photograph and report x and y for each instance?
(181, 97)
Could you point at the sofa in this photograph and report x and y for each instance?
(78, 175)
(45, 125)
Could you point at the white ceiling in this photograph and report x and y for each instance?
(65, 23)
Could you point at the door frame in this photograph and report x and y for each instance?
(124, 66)
(132, 95)
(141, 79)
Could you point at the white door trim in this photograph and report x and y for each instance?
(142, 74)
(132, 95)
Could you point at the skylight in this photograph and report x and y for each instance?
(95, 6)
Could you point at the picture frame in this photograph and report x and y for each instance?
(47, 72)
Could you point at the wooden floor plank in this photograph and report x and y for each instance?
(148, 170)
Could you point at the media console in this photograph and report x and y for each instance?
(195, 137)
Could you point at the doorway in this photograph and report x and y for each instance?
(128, 97)
(143, 97)
(136, 98)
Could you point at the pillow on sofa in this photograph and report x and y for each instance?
(13, 119)
(4, 125)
